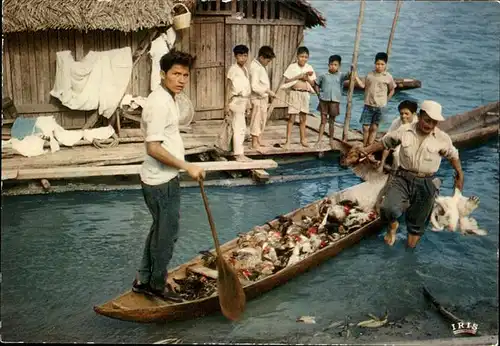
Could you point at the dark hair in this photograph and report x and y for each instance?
(410, 105)
(176, 57)
(267, 52)
(333, 58)
(302, 50)
(240, 49)
(381, 56)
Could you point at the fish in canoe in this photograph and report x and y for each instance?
(267, 256)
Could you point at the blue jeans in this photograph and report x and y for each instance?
(371, 115)
(164, 203)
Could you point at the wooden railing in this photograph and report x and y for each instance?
(250, 9)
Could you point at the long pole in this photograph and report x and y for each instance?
(354, 68)
(393, 29)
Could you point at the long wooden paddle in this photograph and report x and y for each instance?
(231, 295)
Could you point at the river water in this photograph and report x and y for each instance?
(62, 254)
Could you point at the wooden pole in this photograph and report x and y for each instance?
(393, 29)
(354, 68)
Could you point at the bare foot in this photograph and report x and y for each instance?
(332, 144)
(260, 149)
(305, 144)
(241, 158)
(390, 236)
(286, 145)
(318, 145)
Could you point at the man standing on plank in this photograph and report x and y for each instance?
(160, 175)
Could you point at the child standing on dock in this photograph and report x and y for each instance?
(329, 87)
(261, 92)
(238, 98)
(300, 79)
(407, 115)
(379, 88)
(160, 175)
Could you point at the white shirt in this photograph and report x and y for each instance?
(419, 157)
(240, 81)
(160, 120)
(293, 70)
(259, 80)
(396, 123)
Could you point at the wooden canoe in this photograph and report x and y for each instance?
(131, 306)
(401, 84)
(473, 127)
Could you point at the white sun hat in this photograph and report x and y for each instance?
(433, 109)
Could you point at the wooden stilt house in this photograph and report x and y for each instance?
(33, 31)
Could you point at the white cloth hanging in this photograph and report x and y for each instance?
(98, 81)
(159, 47)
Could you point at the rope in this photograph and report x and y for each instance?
(99, 144)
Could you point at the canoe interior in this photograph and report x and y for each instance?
(140, 308)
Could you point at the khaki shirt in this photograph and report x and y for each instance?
(160, 120)
(377, 86)
(423, 158)
(240, 82)
(259, 80)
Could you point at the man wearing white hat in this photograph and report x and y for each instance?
(412, 190)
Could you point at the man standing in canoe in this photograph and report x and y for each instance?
(412, 190)
(160, 175)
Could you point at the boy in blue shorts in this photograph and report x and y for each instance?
(329, 88)
(379, 88)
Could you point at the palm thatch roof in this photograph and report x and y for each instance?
(84, 15)
(122, 15)
(312, 16)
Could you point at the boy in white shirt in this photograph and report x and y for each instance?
(238, 98)
(300, 80)
(261, 92)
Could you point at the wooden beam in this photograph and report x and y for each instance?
(260, 175)
(81, 172)
(41, 108)
(253, 21)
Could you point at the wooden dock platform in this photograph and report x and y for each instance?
(84, 161)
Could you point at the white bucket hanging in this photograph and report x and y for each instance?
(183, 20)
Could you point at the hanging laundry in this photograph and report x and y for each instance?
(98, 81)
(159, 47)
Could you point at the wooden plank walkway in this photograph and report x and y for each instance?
(124, 159)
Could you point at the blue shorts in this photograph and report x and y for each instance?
(370, 115)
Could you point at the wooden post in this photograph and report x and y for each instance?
(393, 29)
(354, 64)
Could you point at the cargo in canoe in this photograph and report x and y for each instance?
(136, 307)
(401, 84)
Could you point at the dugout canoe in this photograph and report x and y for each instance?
(135, 307)
(473, 127)
(401, 84)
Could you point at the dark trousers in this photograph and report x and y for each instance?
(163, 202)
(411, 194)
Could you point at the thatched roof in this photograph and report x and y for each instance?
(313, 16)
(122, 15)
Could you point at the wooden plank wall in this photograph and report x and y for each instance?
(29, 68)
(29, 59)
